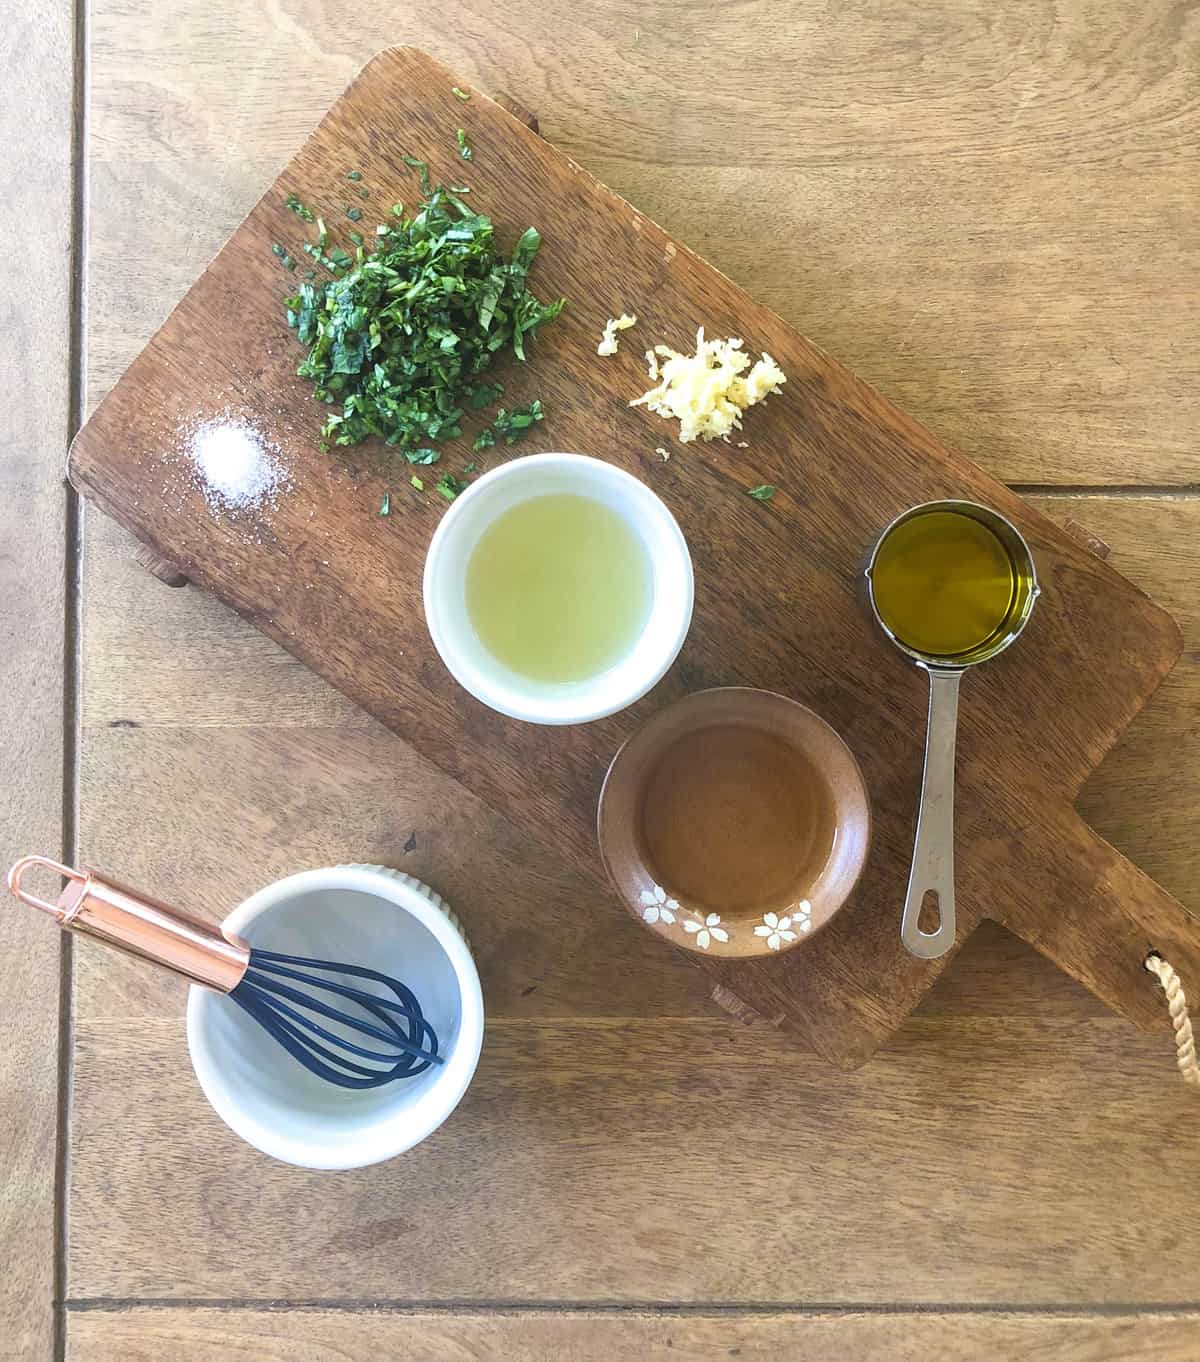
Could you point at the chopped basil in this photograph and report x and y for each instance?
(464, 147)
(450, 487)
(462, 94)
(422, 173)
(764, 492)
(354, 175)
(514, 424)
(397, 340)
(385, 506)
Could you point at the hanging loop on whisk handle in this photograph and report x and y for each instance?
(138, 925)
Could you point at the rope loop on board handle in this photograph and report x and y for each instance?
(1185, 1040)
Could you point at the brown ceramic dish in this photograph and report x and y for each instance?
(734, 823)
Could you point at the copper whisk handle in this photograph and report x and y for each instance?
(138, 925)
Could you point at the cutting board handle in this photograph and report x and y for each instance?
(1098, 917)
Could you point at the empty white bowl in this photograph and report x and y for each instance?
(470, 662)
(359, 915)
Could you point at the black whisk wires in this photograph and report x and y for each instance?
(291, 1016)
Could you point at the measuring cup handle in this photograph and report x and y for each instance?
(933, 851)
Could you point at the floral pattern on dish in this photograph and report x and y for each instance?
(781, 931)
(707, 930)
(657, 907)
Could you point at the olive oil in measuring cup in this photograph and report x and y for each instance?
(952, 584)
(945, 584)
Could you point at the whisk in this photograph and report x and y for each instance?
(337, 1043)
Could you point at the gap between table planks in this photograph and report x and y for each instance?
(1023, 750)
(316, 1335)
(36, 374)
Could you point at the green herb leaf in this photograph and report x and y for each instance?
(450, 487)
(468, 468)
(484, 440)
(356, 237)
(526, 248)
(396, 343)
(761, 493)
(462, 94)
(422, 174)
(354, 214)
(299, 209)
(417, 483)
(364, 193)
(278, 249)
(354, 175)
(515, 424)
(464, 147)
(385, 506)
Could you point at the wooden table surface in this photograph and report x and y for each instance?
(989, 212)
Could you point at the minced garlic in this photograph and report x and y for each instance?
(608, 342)
(707, 392)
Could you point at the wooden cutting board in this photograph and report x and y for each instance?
(777, 601)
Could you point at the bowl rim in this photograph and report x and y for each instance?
(749, 946)
(592, 701)
(390, 1137)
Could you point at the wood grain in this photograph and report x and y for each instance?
(158, 567)
(36, 53)
(985, 212)
(988, 216)
(580, 1336)
(607, 1159)
(777, 588)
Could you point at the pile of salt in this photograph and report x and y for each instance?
(236, 466)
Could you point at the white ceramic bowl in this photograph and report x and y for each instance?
(359, 914)
(489, 680)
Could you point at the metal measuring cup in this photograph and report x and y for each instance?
(933, 849)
